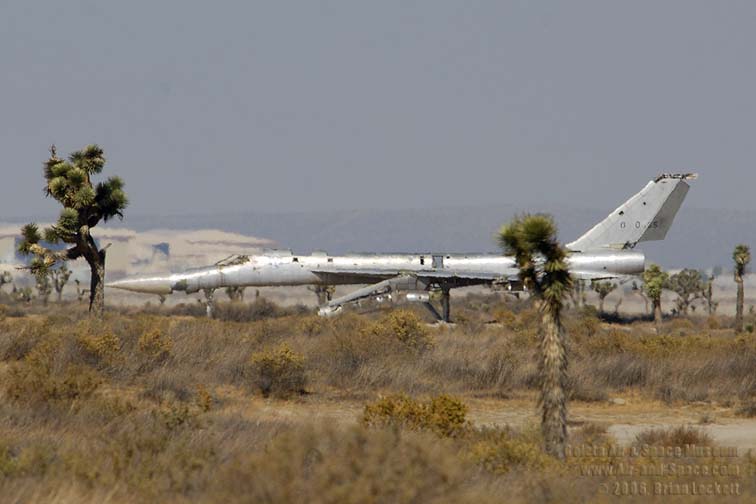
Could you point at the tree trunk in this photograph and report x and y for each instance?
(97, 284)
(553, 371)
(709, 299)
(96, 260)
(601, 305)
(209, 302)
(657, 313)
(739, 305)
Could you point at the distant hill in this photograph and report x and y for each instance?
(699, 238)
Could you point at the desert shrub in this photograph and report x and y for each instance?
(583, 389)
(204, 399)
(586, 323)
(259, 309)
(279, 371)
(404, 326)
(79, 382)
(102, 409)
(670, 392)
(443, 414)
(706, 419)
(747, 409)
(617, 341)
(329, 465)
(150, 454)
(36, 378)
(351, 343)
(167, 384)
(590, 433)
(529, 319)
(504, 316)
(498, 370)
(30, 460)
(619, 371)
(680, 326)
(102, 346)
(500, 451)
(312, 325)
(176, 414)
(155, 345)
(270, 330)
(8, 461)
(673, 436)
(17, 340)
(32, 378)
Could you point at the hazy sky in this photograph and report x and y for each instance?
(278, 105)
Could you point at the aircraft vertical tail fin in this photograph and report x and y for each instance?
(647, 216)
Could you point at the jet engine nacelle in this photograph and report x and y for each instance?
(417, 297)
(329, 311)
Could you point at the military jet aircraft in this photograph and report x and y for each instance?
(606, 251)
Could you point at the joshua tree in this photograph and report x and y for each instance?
(578, 293)
(43, 285)
(84, 206)
(209, 302)
(531, 239)
(742, 256)
(60, 277)
(708, 296)
(5, 278)
(617, 306)
(22, 295)
(323, 292)
(80, 293)
(603, 289)
(688, 284)
(643, 296)
(654, 280)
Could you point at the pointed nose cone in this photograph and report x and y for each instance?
(147, 285)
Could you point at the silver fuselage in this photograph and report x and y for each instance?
(283, 269)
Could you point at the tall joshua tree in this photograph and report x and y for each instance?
(742, 256)
(84, 205)
(531, 239)
(654, 280)
(707, 294)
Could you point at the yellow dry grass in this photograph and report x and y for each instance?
(154, 406)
